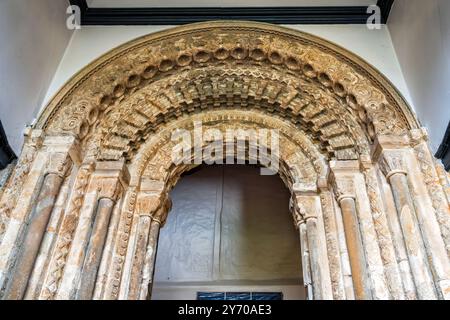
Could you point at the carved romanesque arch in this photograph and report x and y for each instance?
(304, 79)
(94, 174)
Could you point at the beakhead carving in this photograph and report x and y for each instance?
(339, 101)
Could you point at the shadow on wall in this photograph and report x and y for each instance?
(7, 155)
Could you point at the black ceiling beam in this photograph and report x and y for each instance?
(80, 3)
(7, 155)
(385, 8)
(276, 15)
(444, 150)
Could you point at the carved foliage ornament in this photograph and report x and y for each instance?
(372, 102)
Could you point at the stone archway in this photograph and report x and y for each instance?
(367, 194)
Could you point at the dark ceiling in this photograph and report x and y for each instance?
(277, 15)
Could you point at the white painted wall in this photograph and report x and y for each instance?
(421, 36)
(33, 38)
(375, 46)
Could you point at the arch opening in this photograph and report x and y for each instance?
(229, 230)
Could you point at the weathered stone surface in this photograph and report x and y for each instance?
(95, 249)
(370, 203)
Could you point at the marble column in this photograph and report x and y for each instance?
(148, 272)
(431, 178)
(13, 188)
(343, 251)
(153, 205)
(106, 185)
(355, 247)
(393, 158)
(307, 205)
(403, 161)
(307, 279)
(332, 240)
(343, 180)
(59, 161)
(43, 259)
(125, 233)
(95, 248)
(23, 182)
(107, 266)
(384, 236)
(59, 251)
(300, 224)
(397, 238)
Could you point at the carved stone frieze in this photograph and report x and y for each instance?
(340, 124)
(33, 141)
(238, 64)
(65, 235)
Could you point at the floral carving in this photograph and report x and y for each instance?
(286, 61)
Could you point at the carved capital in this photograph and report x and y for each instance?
(111, 178)
(389, 143)
(344, 189)
(392, 162)
(33, 137)
(390, 153)
(62, 153)
(298, 218)
(153, 201)
(109, 188)
(342, 178)
(298, 212)
(305, 207)
(162, 213)
(418, 136)
(65, 145)
(60, 164)
(300, 188)
(148, 203)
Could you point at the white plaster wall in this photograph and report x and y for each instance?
(375, 46)
(229, 230)
(33, 38)
(421, 36)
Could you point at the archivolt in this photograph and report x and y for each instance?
(300, 161)
(356, 219)
(341, 102)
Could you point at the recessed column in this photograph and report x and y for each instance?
(300, 224)
(153, 205)
(95, 248)
(105, 187)
(307, 205)
(343, 180)
(111, 179)
(119, 265)
(59, 251)
(332, 240)
(431, 179)
(158, 221)
(393, 156)
(58, 165)
(24, 182)
(384, 237)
